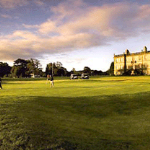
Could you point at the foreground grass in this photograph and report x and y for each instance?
(100, 113)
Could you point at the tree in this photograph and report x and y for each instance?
(24, 68)
(57, 68)
(58, 64)
(34, 67)
(87, 70)
(17, 71)
(4, 69)
(62, 71)
(111, 69)
(36, 63)
(73, 71)
(19, 68)
(96, 72)
(20, 62)
(49, 69)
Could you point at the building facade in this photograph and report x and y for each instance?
(132, 63)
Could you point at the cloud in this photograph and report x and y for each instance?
(26, 44)
(6, 16)
(44, 28)
(30, 26)
(117, 21)
(75, 25)
(68, 8)
(47, 27)
(38, 2)
(9, 4)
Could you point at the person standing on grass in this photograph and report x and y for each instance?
(51, 81)
(0, 83)
(48, 77)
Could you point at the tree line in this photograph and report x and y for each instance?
(26, 68)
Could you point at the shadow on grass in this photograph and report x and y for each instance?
(51, 123)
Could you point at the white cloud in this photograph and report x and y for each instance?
(38, 2)
(47, 27)
(6, 16)
(74, 26)
(44, 28)
(30, 26)
(9, 4)
(69, 8)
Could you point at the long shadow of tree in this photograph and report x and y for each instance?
(51, 123)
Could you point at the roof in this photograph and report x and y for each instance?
(137, 53)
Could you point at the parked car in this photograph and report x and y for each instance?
(74, 76)
(84, 76)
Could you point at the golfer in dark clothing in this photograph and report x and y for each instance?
(51, 79)
(0, 83)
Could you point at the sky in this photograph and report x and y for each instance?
(77, 33)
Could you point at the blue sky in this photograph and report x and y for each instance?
(77, 33)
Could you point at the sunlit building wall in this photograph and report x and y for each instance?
(132, 63)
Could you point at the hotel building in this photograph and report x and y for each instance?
(132, 63)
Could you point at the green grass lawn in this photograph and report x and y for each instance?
(102, 113)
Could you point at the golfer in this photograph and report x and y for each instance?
(51, 81)
(0, 83)
(48, 78)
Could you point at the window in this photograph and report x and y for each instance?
(129, 59)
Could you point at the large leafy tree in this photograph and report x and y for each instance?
(87, 70)
(24, 68)
(19, 68)
(4, 69)
(18, 71)
(62, 71)
(20, 62)
(73, 71)
(56, 69)
(49, 69)
(34, 66)
(58, 64)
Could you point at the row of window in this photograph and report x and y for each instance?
(137, 58)
(147, 72)
(134, 66)
(119, 67)
(119, 59)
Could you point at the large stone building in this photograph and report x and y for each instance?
(132, 63)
